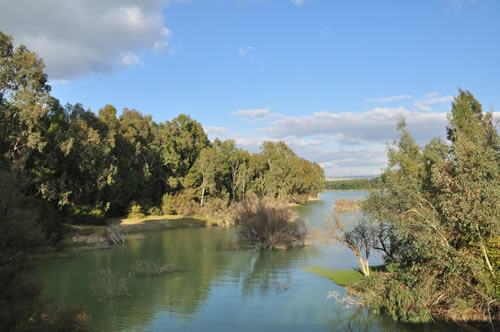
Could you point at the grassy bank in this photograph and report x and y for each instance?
(342, 278)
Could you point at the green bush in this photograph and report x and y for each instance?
(168, 203)
(407, 304)
(135, 211)
(154, 211)
(84, 215)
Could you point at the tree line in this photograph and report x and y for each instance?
(89, 166)
(354, 184)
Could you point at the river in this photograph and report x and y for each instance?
(222, 287)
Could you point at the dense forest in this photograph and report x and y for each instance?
(65, 164)
(354, 184)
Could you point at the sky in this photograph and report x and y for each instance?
(329, 78)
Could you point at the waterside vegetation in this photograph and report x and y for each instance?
(437, 223)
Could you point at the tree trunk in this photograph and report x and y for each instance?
(202, 192)
(485, 254)
(364, 266)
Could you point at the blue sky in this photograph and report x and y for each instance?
(330, 78)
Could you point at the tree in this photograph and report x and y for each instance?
(437, 212)
(24, 94)
(236, 159)
(208, 163)
(349, 228)
(184, 142)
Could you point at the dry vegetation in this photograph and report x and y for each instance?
(268, 224)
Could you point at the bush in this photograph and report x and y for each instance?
(84, 215)
(154, 211)
(185, 203)
(267, 224)
(168, 203)
(135, 211)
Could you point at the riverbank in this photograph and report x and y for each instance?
(102, 236)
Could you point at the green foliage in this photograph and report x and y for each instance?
(84, 215)
(407, 304)
(438, 208)
(154, 211)
(135, 211)
(354, 184)
(168, 204)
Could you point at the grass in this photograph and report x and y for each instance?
(175, 220)
(340, 277)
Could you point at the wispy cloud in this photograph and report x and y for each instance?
(386, 100)
(298, 2)
(456, 6)
(244, 51)
(425, 103)
(254, 113)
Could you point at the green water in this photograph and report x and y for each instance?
(223, 287)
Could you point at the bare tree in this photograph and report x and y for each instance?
(351, 229)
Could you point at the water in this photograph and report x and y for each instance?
(223, 287)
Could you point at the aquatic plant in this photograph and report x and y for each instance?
(146, 268)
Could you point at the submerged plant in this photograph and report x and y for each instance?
(146, 268)
(105, 285)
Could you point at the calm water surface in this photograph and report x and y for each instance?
(222, 288)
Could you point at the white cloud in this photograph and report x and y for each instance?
(78, 37)
(376, 125)
(386, 100)
(244, 51)
(424, 104)
(298, 2)
(216, 131)
(131, 59)
(254, 113)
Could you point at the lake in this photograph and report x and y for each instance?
(222, 287)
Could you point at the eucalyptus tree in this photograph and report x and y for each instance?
(184, 142)
(439, 215)
(24, 97)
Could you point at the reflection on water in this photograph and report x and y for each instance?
(222, 287)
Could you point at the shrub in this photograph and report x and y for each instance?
(267, 224)
(168, 204)
(154, 211)
(85, 215)
(185, 203)
(135, 211)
